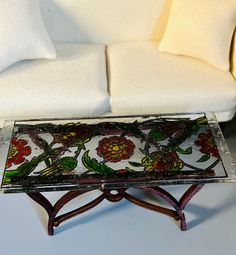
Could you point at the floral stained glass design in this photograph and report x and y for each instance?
(17, 152)
(112, 150)
(115, 148)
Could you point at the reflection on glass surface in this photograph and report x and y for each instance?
(113, 152)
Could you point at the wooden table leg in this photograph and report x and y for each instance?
(53, 219)
(176, 213)
(179, 206)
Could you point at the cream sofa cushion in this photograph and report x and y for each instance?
(22, 33)
(73, 85)
(201, 29)
(144, 80)
(233, 57)
(103, 21)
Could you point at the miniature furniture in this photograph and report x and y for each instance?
(113, 154)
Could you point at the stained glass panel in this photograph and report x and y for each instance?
(113, 152)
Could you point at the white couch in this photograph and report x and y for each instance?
(108, 61)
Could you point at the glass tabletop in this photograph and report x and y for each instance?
(113, 152)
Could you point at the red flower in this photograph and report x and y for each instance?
(115, 148)
(207, 144)
(73, 134)
(162, 162)
(18, 150)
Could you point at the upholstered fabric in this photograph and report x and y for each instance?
(201, 29)
(104, 21)
(162, 21)
(225, 116)
(233, 57)
(143, 80)
(22, 33)
(73, 85)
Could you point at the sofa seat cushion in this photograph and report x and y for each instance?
(144, 80)
(74, 84)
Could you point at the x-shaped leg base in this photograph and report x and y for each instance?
(176, 213)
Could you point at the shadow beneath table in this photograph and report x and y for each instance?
(84, 218)
(90, 216)
(203, 214)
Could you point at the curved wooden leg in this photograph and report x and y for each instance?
(43, 201)
(53, 220)
(156, 208)
(177, 213)
(187, 196)
(180, 205)
(183, 223)
(58, 220)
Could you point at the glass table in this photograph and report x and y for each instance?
(113, 154)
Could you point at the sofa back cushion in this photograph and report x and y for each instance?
(233, 56)
(201, 29)
(105, 21)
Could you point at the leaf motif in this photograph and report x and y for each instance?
(204, 158)
(202, 121)
(130, 128)
(146, 148)
(42, 143)
(184, 151)
(198, 123)
(93, 165)
(11, 173)
(23, 170)
(130, 170)
(155, 134)
(135, 164)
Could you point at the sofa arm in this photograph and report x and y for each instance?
(233, 56)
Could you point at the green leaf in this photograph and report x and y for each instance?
(11, 173)
(130, 170)
(23, 170)
(47, 162)
(155, 134)
(202, 121)
(29, 166)
(130, 128)
(184, 151)
(93, 165)
(204, 158)
(135, 164)
(146, 148)
(68, 163)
